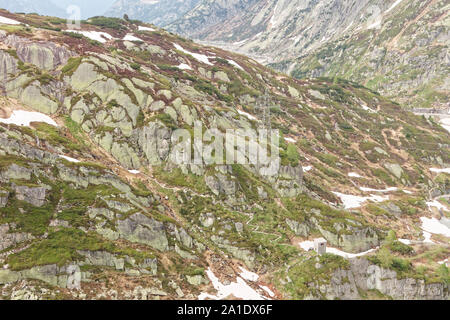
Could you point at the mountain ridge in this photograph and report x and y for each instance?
(313, 38)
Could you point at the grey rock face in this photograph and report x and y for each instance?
(64, 277)
(16, 172)
(9, 239)
(221, 184)
(8, 65)
(74, 277)
(392, 208)
(184, 238)
(102, 258)
(300, 229)
(45, 55)
(32, 195)
(141, 229)
(368, 276)
(362, 275)
(154, 140)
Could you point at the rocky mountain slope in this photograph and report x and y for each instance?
(93, 204)
(398, 48)
(160, 13)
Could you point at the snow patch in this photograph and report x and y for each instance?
(249, 116)
(407, 192)
(290, 140)
(239, 289)
(184, 66)
(444, 262)
(101, 37)
(134, 171)
(354, 175)
(69, 159)
(435, 170)
(434, 226)
(351, 201)
(248, 275)
(24, 118)
(5, 20)
(141, 28)
(437, 205)
(366, 108)
(200, 57)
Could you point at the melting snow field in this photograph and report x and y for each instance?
(290, 140)
(5, 20)
(102, 37)
(141, 28)
(248, 275)
(446, 170)
(248, 115)
(396, 3)
(184, 66)
(437, 205)
(351, 202)
(69, 159)
(266, 289)
(130, 37)
(234, 63)
(434, 226)
(24, 118)
(405, 241)
(239, 289)
(200, 57)
(445, 123)
(308, 245)
(306, 169)
(429, 227)
(354, 175)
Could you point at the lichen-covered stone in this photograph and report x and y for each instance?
(141, 229)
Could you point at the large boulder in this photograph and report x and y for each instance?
(32, 195)
(141, 229)
(16, 172)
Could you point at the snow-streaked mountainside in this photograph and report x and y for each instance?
(94, 203)
(158, 12)
(45, 7)
(396, 47)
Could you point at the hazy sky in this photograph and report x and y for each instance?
(89, 8)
